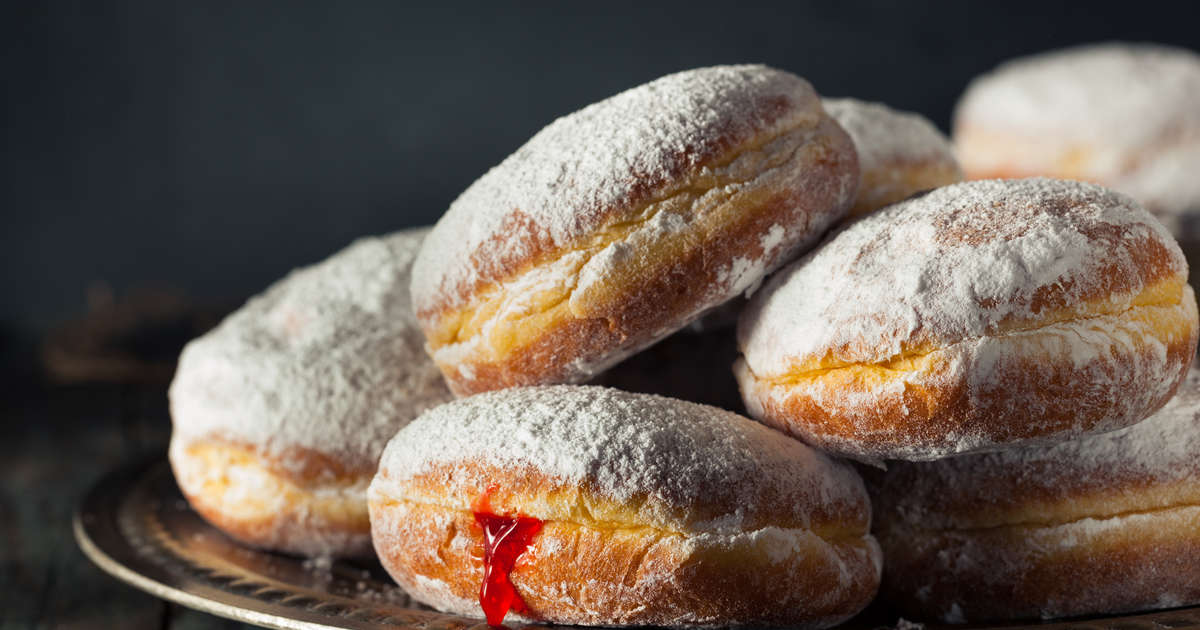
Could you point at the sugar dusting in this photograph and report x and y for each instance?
(328, 359)
(671, 464)
(950, 265)
(571, 176)
(971, 270)
(992, 519)
(1159, 451)
(884, 136)
(682, 456)
(1130, 107)
(1135, 94)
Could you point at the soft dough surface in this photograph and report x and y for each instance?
(979, 314)
(899, 153)
(1123, 115)
(1102, 524)
(309, 381)
(658, 498)
(620, 223)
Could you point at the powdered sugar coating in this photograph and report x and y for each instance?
(585, 169)
(1091, 566)
(954, 264)
(699, 469)
(1117, 113)
(974, 490)
(975, 317)
(1135, 94)
(329, 359)
(1103, 524)
(1166, 182)
(884, 136)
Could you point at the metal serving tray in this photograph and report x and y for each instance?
(135, 525)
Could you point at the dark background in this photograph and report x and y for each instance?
(212, 146)
(209, 147)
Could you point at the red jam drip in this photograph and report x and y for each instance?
(505, 538)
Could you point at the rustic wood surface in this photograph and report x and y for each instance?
(55, 442)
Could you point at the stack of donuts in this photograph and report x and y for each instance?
(970, 397)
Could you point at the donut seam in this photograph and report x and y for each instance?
(1045, 524)
(837, 538)
(626, 228)
(889, 364)
(571, 262)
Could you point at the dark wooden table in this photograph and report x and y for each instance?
(55, 441)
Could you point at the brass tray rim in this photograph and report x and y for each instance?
(96, 520)
(143, 573)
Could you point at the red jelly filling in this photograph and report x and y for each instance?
(505, 538)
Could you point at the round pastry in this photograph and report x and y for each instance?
(280, 413)
(587, 505)
(620, 223)
(899, 153)
(1105, 524)
(1123, 115)
(976, 316)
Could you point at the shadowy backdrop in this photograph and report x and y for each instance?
(212, 146)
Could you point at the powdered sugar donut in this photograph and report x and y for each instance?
(618, 224)
(280, 413)
(1105, 524)
(588, 505)
(1123, 115)
(976, 316)
(899, 153)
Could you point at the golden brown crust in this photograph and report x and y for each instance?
(590, 575)
(1119, 114)
(644, 145)
(1120, 564)
(855, 410)
(1102, 524)
(525, 489)
(978, 315)
(639, 310)
(1116, 257)
(989, 154)
(679, 169)
(655, 511)
(559, 287)
(898, 180)
(899, 153)
(298, 507)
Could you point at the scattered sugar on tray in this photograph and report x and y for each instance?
(319, 565)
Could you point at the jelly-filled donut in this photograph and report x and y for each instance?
(974, 317)
(588, 505)
(1122, 115)
(899, 153)
(280, 413)
(1105, 524)
(620, 223)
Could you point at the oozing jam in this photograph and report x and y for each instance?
(505, 538)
